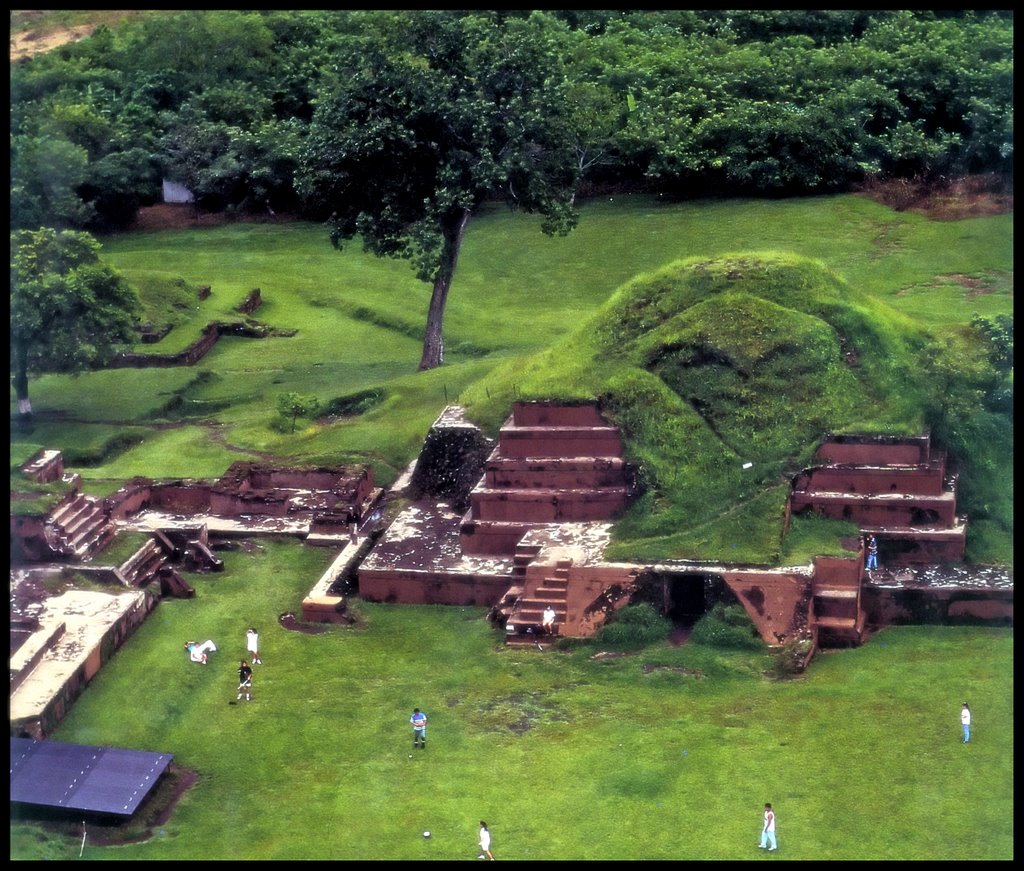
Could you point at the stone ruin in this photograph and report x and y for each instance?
(518, 526)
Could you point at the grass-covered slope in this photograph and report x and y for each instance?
(710, 364)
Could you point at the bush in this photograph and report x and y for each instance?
(634, 627)
(727, 626)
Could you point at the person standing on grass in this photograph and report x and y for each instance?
(485, 841)
(244, 681)
(768, 832)
(419, 729)
(965, 721)
(252, 644)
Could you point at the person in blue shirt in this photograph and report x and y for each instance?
(872, 554)
(419, 729)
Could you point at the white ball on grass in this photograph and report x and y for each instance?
(426, 834)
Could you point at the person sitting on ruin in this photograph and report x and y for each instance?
(548, 621)
(197, 652)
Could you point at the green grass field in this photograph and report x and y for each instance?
(359, 319)
(565, 756)
(668, 753)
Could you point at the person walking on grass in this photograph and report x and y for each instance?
(768, 832)
(245, 681)
(485, 841)
(965, 721)
(419, 729)
(252, 644)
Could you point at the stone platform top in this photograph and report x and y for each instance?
(581, 543)
(960, 577)
(148, 521)
(86, 616)
(424, 537)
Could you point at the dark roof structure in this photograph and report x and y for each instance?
(106, 780)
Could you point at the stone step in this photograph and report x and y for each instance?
(67, 512)
(528, 641)
(568, 472)
(565, 443)
(81, 519)
(833, 593)
(836, 622)
(549, 505)
(87, 549)
(492, 537)
(551, 586)
(543, 414)
(86, 530)
(927, 479)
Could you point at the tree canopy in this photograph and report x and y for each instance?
(431, 115)
(394, 126)
(69, 311)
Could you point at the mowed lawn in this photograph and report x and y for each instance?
(357, 320)
(669, 753)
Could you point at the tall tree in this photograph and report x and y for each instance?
(69, 311)
(432, 114)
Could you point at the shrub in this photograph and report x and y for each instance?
(354, 403)
(634, 627)
(727, 626)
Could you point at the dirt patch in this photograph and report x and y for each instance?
(944, 199)
(32, 42)
(289, 621)
(35, 36)
(154, 812)
(688, 672)
(975, 286)
(181, 216)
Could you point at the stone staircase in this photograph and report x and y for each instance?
(527, 611)
(153, 562)
(895, 488)
(835, 613)
(79, 527)
(552, 464)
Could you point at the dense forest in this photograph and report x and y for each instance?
(252, 110)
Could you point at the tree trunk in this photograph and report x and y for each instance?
(21, 384)
(433, 338)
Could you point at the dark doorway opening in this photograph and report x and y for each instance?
(689, 596)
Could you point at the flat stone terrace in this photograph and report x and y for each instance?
(941, 577)
(419, 559)
(243, 525)
(64, 651)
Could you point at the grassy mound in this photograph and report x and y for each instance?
(708, 365)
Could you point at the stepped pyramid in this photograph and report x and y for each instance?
(552, 464)
(895, 488)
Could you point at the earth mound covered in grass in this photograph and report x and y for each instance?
(724, 375)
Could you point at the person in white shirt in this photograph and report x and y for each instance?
(965, 721)
(485, 840)
(548, 621)
(768, 832)
(252, 644)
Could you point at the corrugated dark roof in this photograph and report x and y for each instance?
(78, 777)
